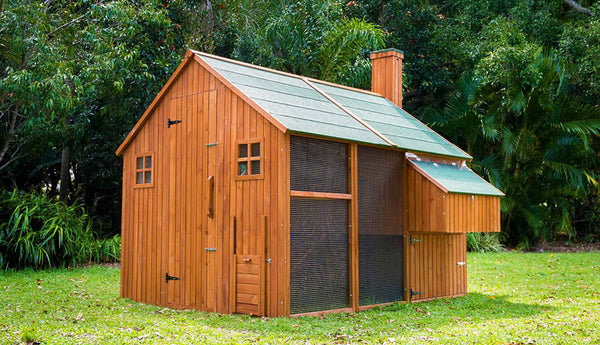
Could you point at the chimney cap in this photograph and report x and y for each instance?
(390, 51)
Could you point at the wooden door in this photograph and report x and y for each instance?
(436, 265)
(190, 272)
(175, 277)
(250, 274)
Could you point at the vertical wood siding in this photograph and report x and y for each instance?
(429, 209)
(165, 228)
(437, 265)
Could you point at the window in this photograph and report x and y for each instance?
(249, 159)
(143, 170)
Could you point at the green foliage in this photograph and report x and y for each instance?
(107, 249)
(40, 232)
(28, 336)
(529, 137)
(96, 65)
(79, 74)
(513, 297)
(314, 39)
(483, 242)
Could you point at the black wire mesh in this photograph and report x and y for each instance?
(319, 273)
(318, 165)
(380, 239)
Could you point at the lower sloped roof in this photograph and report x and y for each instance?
(455, 179)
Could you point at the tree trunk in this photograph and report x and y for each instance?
(65, 167)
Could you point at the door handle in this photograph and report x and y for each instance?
(211, 196)
(210, 249)
(461, 263)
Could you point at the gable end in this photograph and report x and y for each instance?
(189, 57)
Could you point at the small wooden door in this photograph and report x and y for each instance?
(189, 275)
(436, 265)
(250, 274)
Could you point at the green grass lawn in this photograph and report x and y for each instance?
(514, 298)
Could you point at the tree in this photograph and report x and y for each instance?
(530, 138)
(311, 38)
(84, 75)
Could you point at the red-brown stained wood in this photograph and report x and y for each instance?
(165, 228)
(438, 265)
(386, 77)
(429, 209)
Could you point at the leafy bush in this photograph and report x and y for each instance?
(38, 232)
(107, 249)
(483, 242)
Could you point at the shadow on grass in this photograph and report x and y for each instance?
(394, 319)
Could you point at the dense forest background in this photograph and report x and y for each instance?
(513, 82)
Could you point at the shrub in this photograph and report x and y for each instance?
(483, 242)
(108, 249)
(38, 232)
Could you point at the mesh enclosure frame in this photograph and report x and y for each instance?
(319, 255)
(318, 165)
(380, 228)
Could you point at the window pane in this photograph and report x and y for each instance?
(242, 168)
(140, 163)
(148, 178)
(256, 150)
(255, 168)
(243, 151)
(149, 162)
(139, 178)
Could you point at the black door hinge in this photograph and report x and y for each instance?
(168, 277)
(412, 240)
(414, 293)
(172, 122)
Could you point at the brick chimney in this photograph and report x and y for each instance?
(386, 74)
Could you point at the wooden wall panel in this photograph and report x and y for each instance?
(429, 209)
(437, 266)
(166, 226)
(256, 199)
(427, 206)
(474, 213)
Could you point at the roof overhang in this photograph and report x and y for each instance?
(452, 178)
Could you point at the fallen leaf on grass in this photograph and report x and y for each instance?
(79, 317)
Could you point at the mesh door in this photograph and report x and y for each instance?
(318, 255)
(380, 234)
(318, 165)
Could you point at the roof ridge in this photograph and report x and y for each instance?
(347, 111)
(297, 76)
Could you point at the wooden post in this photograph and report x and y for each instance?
(353, 230)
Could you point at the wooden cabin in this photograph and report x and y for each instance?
(250, 190)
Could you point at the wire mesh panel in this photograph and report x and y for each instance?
(318, 165)
(319, 277)
(380, 233)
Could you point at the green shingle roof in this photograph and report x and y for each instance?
(393, 122)
(457, 179)
(294, 103)
(302, 109)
